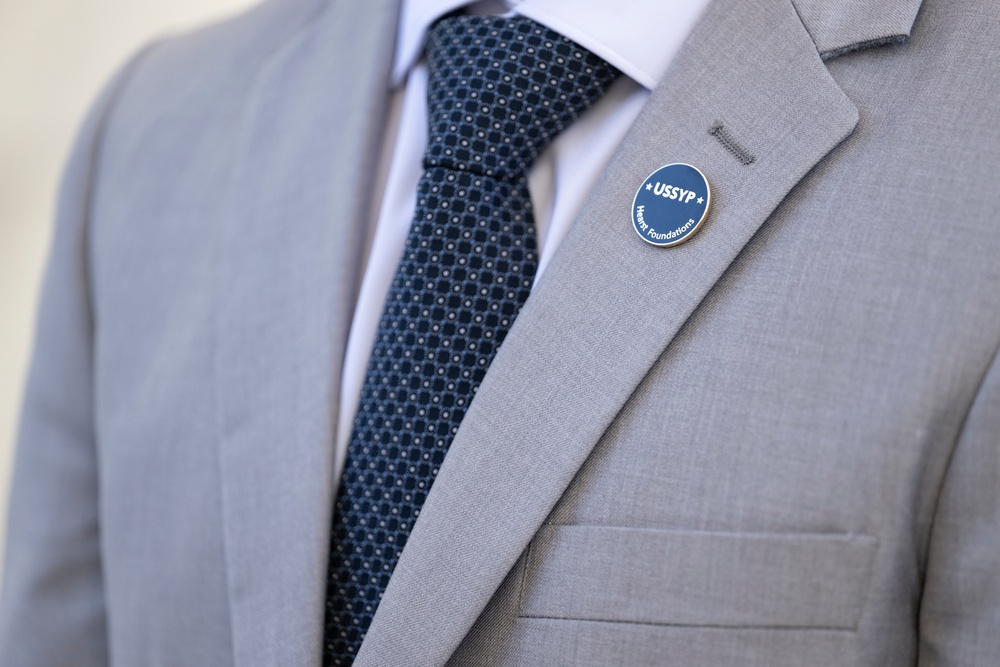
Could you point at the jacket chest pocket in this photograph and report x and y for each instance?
(688, 578)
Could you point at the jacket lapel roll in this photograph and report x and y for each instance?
(607, 308)
(288, 270)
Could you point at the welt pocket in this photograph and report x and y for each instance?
(677, 577)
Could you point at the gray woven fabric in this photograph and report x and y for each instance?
(810, 381)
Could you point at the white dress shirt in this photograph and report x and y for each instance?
(639, 37)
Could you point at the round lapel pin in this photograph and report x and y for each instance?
(671, 204)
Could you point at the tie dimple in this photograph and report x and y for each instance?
(499, 90)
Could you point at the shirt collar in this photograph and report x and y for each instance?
(639, 37)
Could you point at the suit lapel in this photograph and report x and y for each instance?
(606, 309)
(288, 269)
(848, 25)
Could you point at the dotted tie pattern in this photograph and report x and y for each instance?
(499, 90)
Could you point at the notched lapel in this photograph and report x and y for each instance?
(287, 275)
(606, 309)
(848, 25)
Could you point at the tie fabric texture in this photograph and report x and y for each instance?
(499, 90)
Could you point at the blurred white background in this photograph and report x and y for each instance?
(54, 57)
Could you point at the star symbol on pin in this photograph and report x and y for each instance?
(700, 200)
(649, 186)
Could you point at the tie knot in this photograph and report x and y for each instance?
(500, 89)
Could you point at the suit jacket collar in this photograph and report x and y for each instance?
(848, 25)
(605, 310)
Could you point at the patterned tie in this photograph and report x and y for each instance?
(499, 90)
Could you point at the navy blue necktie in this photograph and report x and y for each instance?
(499, 90)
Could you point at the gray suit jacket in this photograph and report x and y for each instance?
(777, 444)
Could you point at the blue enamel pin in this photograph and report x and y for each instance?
(671, 205)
